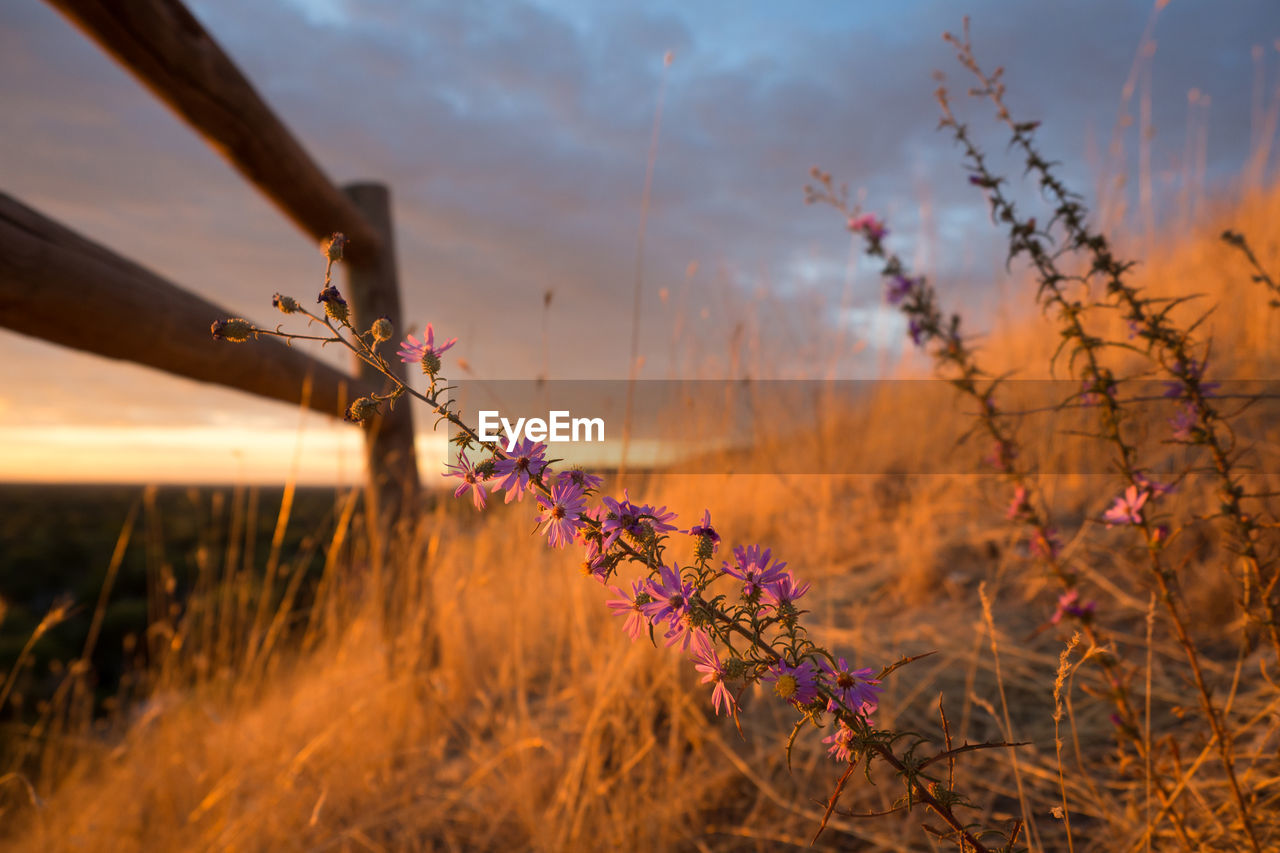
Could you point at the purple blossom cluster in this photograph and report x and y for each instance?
(671, 601)
(1069, 605)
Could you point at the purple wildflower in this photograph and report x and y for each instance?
(562, 512)
(1188, 373)
(526, 460)
(898, 288)
(854, 688)
(1069, 605)
(797, 684)
(633, 520)
(681, 631)
(915, 328)
(470, 479)
(751, 566)
(1128, 507)
(1157, 490)
(583, 480)
(1093, 392)
(633, 606)
(1184, 422)
(706, 661)
(1019, 505)
(334, 305)
(871, 228)
(841, 742)
(1001, 456)
(670, 595)
(424, 352)
(785, 591)
(705, 530)
(595, 564)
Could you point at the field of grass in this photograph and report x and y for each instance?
(468, 690)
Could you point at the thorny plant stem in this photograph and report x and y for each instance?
(1260, 275)
(1169, 347)
(1024, 238)
(992, 419)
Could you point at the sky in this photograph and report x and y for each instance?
(515, 137)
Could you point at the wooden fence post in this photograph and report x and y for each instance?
(374, 291)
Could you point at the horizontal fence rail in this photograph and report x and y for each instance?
(170, 52)
(63, 288)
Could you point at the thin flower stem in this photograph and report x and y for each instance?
(1260, 275)
(952, 351)
(1024, 238)
(1169, 347)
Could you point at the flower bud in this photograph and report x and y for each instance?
(334, 305)
(333, 247)
(430, 363)
(361, 410)
(286, 304)
(233, 329)
(382, 330)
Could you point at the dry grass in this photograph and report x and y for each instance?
(471, 692)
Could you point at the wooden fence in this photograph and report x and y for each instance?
(61, 287)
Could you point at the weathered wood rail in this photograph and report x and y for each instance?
(61, 287)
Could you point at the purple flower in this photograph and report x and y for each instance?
(562, 512)
(705, 530)
(854, 688)
(583, 480)
(1019, 504)
(1002, 455)
(1093, 391)
(871, 228)
(751, 566)
(898, 288)
(1069, 605)
(1184, 422)
(470, 479)
(840, 742)
(706, 661)
(915, 328)
(978, 180)
(796, 684)
(1128, 507)
(784, 592)
(681, 631)
(633, 520)
(633, 607)
(595, 564)
(525, 460)
(425, 352)
(1157, 490)
(670, 595)
(1188, 373)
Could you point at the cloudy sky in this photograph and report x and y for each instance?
(515, 137)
